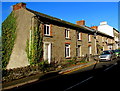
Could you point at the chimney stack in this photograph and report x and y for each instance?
(81, 22)
(19, 6)
(103, 23)
(95, 27)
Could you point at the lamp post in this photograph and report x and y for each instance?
(95, 34)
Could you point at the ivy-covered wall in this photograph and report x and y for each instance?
(8, 38)
(34, 45)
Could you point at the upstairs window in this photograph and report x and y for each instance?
(89, 38)
(67, 33)
(47, 29)
(79, 36)
(102, 39)
(97, 37)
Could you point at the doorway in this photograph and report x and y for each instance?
(47, 51)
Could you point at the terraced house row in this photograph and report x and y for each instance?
(61, 40)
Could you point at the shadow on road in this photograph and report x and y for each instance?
(59, 82)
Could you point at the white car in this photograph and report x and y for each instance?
(108, 55)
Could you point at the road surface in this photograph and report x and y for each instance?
(101, 76)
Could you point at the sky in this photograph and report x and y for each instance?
(61, 0)
(92, 12)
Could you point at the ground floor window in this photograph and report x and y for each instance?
(67, 50)
(79, 51)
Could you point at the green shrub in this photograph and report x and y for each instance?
(83, 61)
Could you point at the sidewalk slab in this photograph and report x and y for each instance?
(77, 67)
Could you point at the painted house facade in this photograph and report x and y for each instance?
(102, 40)
(62, 40)
(109, 30)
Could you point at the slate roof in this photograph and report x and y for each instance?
(68, 23)
(58, 20)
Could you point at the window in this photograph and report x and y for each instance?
(89, 38)
(67, 35)
(111, 41)
(47, 29)
(110, 47)
(107, 40)
(90, 49)
(67, 50)
(96, 37)
(79, 51)
(79, 36)
(102, 39)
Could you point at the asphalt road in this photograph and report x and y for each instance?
(101, 76)
(105, 79)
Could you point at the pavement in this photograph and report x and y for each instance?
(46, 76)
(77, 67)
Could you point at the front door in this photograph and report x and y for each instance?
(47, 52)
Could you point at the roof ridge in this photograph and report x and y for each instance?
(63, 21)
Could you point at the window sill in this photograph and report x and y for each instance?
(67, 38)
(68, 57)
(89, 41)
(48, 36)
(79, 56)
(79, 40)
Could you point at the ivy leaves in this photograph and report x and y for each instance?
(8, 38)
(34, 46)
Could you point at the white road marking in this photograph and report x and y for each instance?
(87, 79)
(110, 67)
(79, 83)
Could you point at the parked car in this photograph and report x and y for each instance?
(117, 52)
(108, 55)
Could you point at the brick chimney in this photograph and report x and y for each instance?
(81, 22)
(19, 6)
(95, 27)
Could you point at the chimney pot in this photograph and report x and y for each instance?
(19, 6)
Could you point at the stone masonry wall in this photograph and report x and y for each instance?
(19, 57)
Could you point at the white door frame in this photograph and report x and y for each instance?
(49, 51)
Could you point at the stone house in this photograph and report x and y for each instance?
(62, 40)
(109, 30)
(116, 38)
(103, 41)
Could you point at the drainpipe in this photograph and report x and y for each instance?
(31, 39)
(95, 34)
(76, 44)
